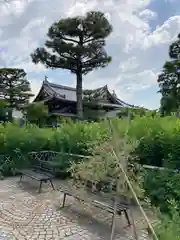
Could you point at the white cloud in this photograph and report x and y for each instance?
(129, 65)
(148, 14)
(164, 34)
(138, 52)
(29, 67)
(81, 7)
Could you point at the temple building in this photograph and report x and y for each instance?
(61, 101)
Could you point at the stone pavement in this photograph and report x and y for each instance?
(25, 214)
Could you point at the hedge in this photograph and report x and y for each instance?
(77, 138)
(74, 138)
(158, 138)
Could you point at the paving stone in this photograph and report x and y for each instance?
(24, 215)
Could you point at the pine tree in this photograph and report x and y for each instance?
(76, 44)
(14, 87)
(169, 80)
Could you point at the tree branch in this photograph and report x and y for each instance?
(70, 40)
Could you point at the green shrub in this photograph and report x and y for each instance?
(162, 186)
(158, 138)
(168, 227)
(11, 162)
(77, 138)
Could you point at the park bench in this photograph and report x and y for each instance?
(102, 203)
(41, 170)
(43, 167)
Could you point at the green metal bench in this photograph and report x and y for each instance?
(42, 168)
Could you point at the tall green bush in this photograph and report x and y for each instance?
(77, 138)
(71, 137)
(158, 138)
(161, 186)
(168, 226)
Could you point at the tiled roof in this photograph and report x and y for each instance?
(101, 94)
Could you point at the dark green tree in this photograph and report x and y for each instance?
(14, 87)
(76, 44)
(36, 113)
(169, 80)
(3, 110)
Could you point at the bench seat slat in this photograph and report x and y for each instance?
(109, 207)
(104, 205)
(35, 175)
(120, 208)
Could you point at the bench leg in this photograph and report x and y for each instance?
(127, 217)
(113, 225)
(52, 185)
(21, 178)
(40, 185)
(64, 199)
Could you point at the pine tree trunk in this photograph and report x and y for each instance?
(79, 105)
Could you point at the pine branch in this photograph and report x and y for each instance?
(70, 40)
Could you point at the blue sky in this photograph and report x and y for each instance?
(143, 31)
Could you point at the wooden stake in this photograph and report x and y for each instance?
(132, 190)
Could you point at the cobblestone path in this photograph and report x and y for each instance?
(25, 214)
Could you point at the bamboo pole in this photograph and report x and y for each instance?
(132, 190)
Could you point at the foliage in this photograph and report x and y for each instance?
(76, 44)
(79, 138)
(161, 187)
(134, 112)
(3, 110)
(93, 114)
(155, 137)
(9, 164)
(168, 227)
(103, 169)
(169, 80)
(15, 87)
(36, 113)
(158, 138)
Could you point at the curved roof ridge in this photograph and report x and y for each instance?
(130, 105)
(55, 85)
(114, 95)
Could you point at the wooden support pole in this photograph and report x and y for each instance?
(113, 220)
(130, 186)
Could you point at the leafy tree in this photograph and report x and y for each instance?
(3, 109)
(134, 112)
(168, 105)
(14, 86)
(169, 80)
(76, 44)
(36, 113)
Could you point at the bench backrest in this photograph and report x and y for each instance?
(43, 161)
(43, 166)
(49, 161)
